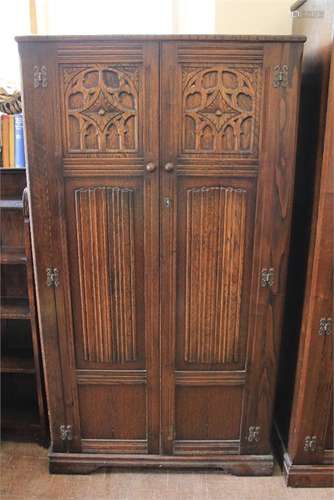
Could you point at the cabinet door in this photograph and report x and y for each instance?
(228, 143)
(97, 196)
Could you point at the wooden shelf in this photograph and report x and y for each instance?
(19, 421)
(13, 170)
(23, 414)
(12, 256)
(14, 309)
(11, 204)
(17, 364)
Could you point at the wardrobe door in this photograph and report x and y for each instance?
(103, 238)
(226, 187)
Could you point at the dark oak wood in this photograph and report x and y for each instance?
(306, 373)
(314, 376)
(23, 401)
(144, 38)
(239, 465)
(160, 192)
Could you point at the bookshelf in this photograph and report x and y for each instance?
(23, 414)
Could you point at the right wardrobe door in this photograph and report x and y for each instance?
(228, 126)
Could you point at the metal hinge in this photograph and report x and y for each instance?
(167, 202)
(40, 76)
(310, 443)
(52, 276)
(325, 326)
(267, 277)
(253, 433)
(66, 432)
(281, 73)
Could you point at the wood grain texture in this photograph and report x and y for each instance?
(210, 447)
(312, 121)
(44, 179)
(142, 38)
(272, 232)
(128, 446)
(105, 233)
(206, 378)
(215, 244)
(113, 421)
(302, 475)
(84, 463)
(310, 360)
(206, 413)
(111, 377)
(315, 355)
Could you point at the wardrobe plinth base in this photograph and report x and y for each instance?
(85, 463)
(307, 475)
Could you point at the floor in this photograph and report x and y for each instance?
(24, 476)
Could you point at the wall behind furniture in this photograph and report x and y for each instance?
(61, 17)
(253, 17)
(165, 16)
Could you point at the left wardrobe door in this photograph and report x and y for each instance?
(92, 124)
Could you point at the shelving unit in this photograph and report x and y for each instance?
(12, 256)
(14, 308)
(23, 413)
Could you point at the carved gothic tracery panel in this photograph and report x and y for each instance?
(220, 108)
(101, 108)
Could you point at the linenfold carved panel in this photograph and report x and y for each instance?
(215, 247)
(220, 110)
(101, 108)
(106, 257)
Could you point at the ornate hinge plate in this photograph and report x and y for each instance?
(310, 443)
(52, 276)
(325, 326)
(253, 434)
(267, 277)
(66, 432)
(40, 76)
(281, 75)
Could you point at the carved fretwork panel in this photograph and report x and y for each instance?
(220, 110)
(101, 108)
(105, 239)
(215, 247)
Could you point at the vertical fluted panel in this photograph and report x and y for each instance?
(215, 245)
(105, 235)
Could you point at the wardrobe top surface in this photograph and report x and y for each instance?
(204, 38)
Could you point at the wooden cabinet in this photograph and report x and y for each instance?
(23, 415)
(303, 410)
(161, 174)
(308, 453)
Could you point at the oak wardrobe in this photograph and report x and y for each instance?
(161, 177)
(304, 403)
